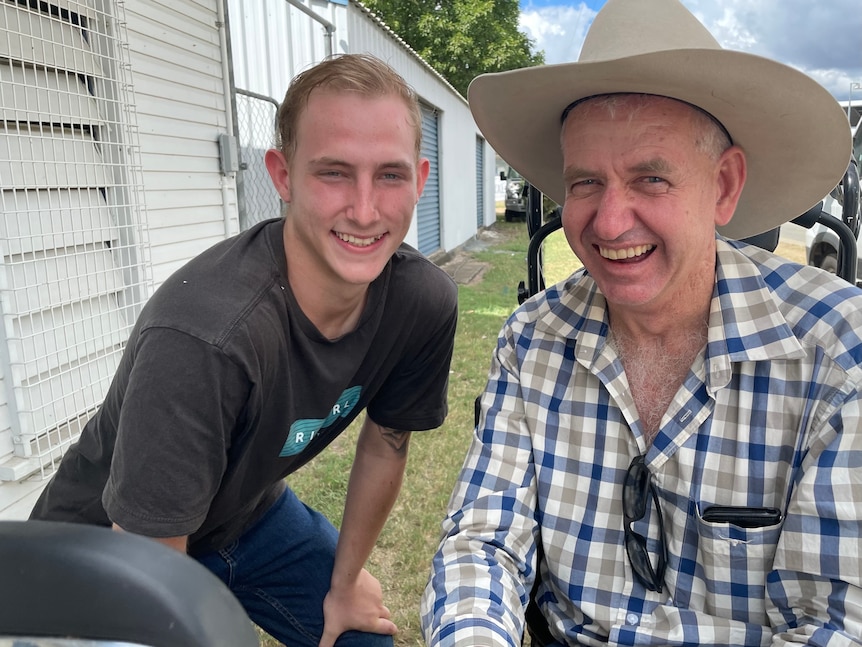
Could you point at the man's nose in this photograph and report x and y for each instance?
(614, 213)
(364, 207)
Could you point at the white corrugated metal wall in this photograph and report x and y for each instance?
(75, 244)
(272, 41)
(175, 51)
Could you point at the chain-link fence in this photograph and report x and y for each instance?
(256, 120)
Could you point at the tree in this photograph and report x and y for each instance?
(460, 38)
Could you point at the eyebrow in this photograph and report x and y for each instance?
(334, 161)
(576, 172)
(657, 165)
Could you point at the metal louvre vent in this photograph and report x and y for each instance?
(73, 271)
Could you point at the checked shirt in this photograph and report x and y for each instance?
(768, 416)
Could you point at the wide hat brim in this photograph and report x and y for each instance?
(794, 133)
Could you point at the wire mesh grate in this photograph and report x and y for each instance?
(74, 271)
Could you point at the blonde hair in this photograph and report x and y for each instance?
(361, 73)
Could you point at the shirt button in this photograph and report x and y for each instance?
(632, 619)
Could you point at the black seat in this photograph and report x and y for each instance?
(90, 583)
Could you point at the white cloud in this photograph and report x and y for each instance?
(821, 38)
(558, 30)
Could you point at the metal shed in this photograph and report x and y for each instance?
(128, 136)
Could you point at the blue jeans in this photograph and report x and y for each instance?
(280, 569)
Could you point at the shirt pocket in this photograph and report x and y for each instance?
(735, 562)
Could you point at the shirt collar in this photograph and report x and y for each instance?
(745, 321)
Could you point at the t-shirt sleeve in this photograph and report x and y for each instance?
(413, 398)
(180, 405)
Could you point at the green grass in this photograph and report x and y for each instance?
(403, 553)
(558, 259)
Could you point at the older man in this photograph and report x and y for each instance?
(669, 441)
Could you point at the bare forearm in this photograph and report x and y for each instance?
(375, 480)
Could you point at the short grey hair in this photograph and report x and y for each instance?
(712, 137)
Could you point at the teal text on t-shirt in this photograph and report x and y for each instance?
(303, 431)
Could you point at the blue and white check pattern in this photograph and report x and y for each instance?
(769, 416)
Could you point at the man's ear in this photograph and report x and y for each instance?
(423, 168)
(279, 171)
(732, 170)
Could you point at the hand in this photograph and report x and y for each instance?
(358, 607)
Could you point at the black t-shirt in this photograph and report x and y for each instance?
(225, 387)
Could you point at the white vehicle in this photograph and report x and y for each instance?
(516, 195)
(821, 243)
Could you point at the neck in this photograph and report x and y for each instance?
(665, 333)
(333, 305)
(681, 307)
(334, 315)
(669, 318)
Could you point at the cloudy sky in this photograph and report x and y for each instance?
(822, 38)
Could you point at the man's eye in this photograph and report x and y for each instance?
(582, 186)
(333, 175)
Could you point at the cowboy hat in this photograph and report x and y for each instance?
(795, 135)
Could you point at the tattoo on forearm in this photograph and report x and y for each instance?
(397, 440)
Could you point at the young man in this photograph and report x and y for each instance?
(258, 353)
(678, 426)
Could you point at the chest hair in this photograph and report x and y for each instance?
(655, 369)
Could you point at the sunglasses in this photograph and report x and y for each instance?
(638, 488)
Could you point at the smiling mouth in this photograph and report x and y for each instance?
(358, 242)
(626, 253)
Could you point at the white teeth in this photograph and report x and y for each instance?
(359, 242)
(621, 254)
